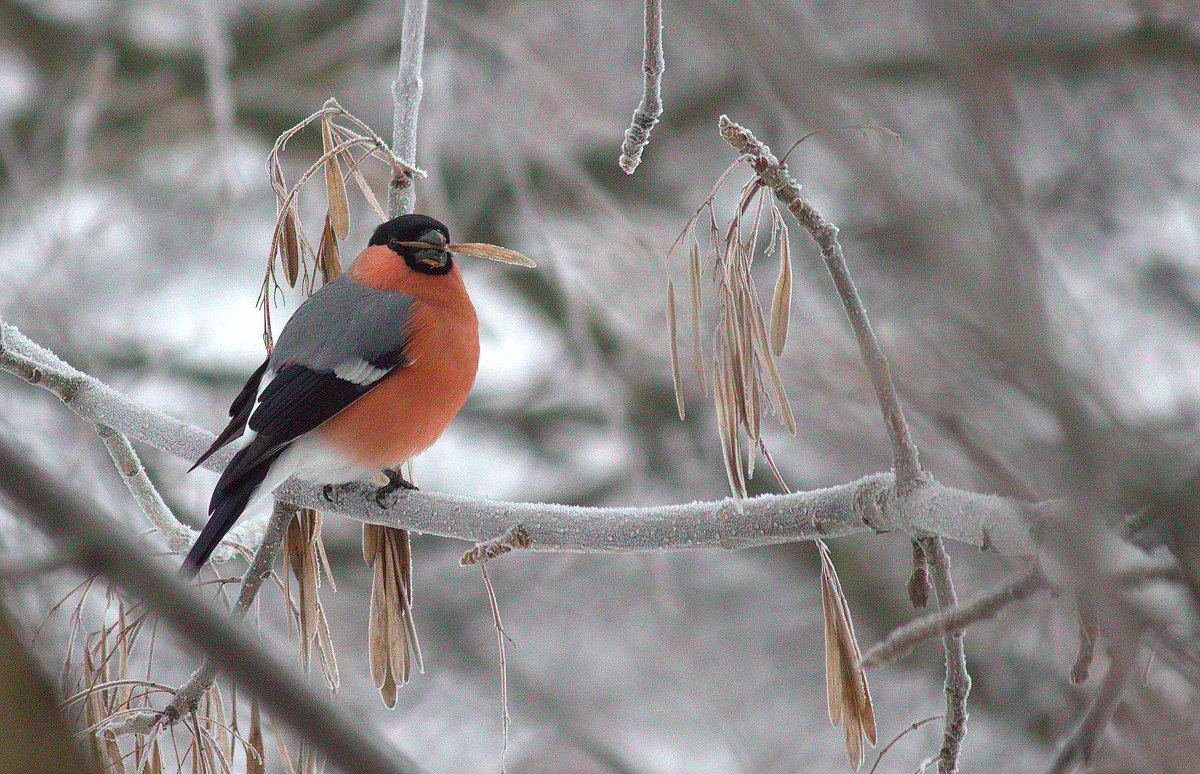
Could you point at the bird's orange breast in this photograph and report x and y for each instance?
(406, 412)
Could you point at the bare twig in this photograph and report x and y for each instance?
(406, 94)
(178, 535)
(956, 618)
(188, 694)
(898, 737)
(86, 531)
(1080, 742)
(775, 174)
(637, 136)
(958, 681)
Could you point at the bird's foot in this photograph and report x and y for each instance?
(395, 482)
(327, 493)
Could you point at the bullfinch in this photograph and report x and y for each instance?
(368, 372)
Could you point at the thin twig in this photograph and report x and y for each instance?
(178, 535)
(1080, 742)
(906, 459)
(87, 531)
(956, 618)
(958, 680)
(898, 737)
(637, 136)
(406, 95)
(188, 694)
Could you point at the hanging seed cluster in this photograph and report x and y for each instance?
(745, 343)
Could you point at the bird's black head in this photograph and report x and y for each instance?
(417, 228)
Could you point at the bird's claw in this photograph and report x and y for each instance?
(327, 493)
(395, 482)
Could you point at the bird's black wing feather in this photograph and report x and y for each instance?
(240, 410)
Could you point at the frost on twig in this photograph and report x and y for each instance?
(637, 136)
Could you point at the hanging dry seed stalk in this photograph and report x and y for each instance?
(345, 140)
(394, 648)
(305, 555)
(745, 378)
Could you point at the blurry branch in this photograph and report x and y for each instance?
(406, 96)
(871, 503)
(85, 110)
(958, 680)
(87, 533)
(957, 617)
(99, 404)
(217, 52)
(1080, 741)
(637, 136)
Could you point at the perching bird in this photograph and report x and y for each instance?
(368, 372)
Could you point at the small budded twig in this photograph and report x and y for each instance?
(637, 136)
(958, 680)
(1080, 742)
(956, 618)
(918, 582)
(516, 536)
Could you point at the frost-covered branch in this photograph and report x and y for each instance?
(871, 503)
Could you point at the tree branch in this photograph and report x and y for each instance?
(958, 680)
(956, 618)
(90, 536)
(406, 97)
(637, 136)
(871, 503)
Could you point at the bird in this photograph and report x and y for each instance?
(367, 373)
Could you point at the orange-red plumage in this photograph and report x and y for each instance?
(405, 413)
(366, 374)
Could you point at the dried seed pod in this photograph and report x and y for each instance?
(675, 376)
(781, 301)
(335, 183)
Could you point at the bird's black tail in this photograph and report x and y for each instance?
(232, 494)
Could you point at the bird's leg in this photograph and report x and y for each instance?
(395, 482)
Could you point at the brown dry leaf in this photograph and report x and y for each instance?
(328, 256)
(847, 692)
(289, 247)
(779, 398)
(697, 345)
(781, 301)
(491, 252)
(335, 183)
(367, 193)
(156, 763)
(256, 758)
(393, 638)
(675, 376)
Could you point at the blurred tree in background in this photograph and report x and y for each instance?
(1027, 252)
